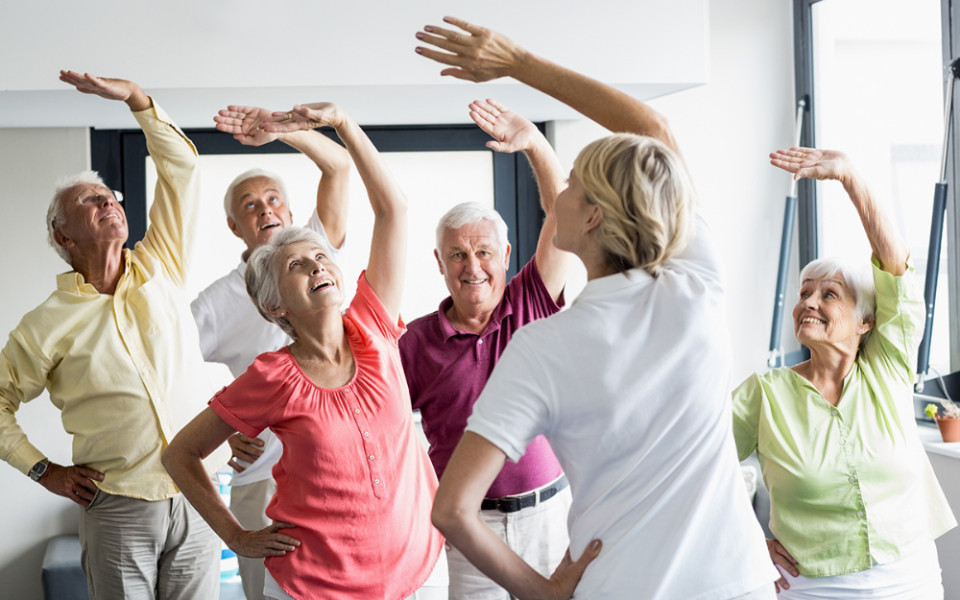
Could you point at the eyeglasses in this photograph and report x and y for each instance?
(99, 197)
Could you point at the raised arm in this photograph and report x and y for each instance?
(182, 460)
(109, 88)
(831, 164)
(388, 249)
(478, 54)
(512, 132)
(333, 191)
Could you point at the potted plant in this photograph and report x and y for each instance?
(949, 423)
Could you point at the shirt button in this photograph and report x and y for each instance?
(372, 457)
(851, 479)
(367, 434)
(479, 342)
(842, 442)
(376, 481)
(356, 410)
(859, 513)
(836, 413)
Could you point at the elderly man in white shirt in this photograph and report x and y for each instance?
(231, 330)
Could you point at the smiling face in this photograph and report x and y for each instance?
(473, 266)
(90, 215)
(826, 314)
(259, 211)
(308, 280)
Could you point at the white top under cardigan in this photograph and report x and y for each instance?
(232, 332)
(631, 387)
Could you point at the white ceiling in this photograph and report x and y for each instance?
(197, 57)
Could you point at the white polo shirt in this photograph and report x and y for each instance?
(631, 387)
(232, 332)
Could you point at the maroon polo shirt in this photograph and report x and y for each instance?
(446, 370)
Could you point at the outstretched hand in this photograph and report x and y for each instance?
(510, 131)
(567, 575)
(306, 116)
(75, 482)
(813, 163)
(263, 542)
(246, 124)
(109, 88)
(474, 53)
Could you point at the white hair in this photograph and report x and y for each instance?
(857, 279)
(55, 218)
(467, 213)
(263, 272)
(228, 195)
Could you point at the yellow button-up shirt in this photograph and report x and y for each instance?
(850, 485)
(125, 370)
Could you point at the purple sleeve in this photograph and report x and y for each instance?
(529, 296)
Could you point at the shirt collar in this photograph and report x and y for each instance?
(503, 310)
(602, 286)
(74, 282)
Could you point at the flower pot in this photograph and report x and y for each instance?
(949, 429)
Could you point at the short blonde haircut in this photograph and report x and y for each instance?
(645, 196)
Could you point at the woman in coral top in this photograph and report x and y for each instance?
(354, 485)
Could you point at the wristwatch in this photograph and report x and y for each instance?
(37, 471)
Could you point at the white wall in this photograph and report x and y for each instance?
(725, 129)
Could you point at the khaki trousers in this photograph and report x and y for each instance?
(135, 549)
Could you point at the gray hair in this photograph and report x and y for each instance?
(467, 213)
(859, 280)
(228, 195)
(55, 218)
(263, 272)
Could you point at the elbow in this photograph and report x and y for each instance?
(448, 518)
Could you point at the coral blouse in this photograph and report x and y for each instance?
(353, 477)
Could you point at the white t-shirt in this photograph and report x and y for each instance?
(631, 387)
(232, 332)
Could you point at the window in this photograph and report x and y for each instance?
(872, 71)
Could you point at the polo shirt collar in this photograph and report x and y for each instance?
(503, 310)
(603, 286)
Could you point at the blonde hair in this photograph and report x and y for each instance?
(645, 196)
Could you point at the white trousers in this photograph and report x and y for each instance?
(913, 577)
(537, 534)
(248, 503)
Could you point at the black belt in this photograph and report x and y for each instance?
(509, 504)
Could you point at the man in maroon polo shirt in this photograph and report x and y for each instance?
(449, 354)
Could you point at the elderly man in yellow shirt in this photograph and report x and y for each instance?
(116, 347)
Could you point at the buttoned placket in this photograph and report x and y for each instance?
(368, 440)
(852, 477)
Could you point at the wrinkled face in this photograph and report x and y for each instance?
(473, 265)
(308, 281)
(573, 213)
(826, 314)
(90, 214)
(259, 210)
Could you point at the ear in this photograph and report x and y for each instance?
(61, 239)
(436, 255)
(506, 256)
(277, 312)
(233, 227)
(865, 326)
(596, 217)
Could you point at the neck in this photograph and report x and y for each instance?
(827, 369)
(319, 336)
(101, 266)
(472, 319)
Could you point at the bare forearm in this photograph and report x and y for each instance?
(384, 193)
(485, 550)
(188, 473)
(884, 240)
(333, 189)
(597, 101)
